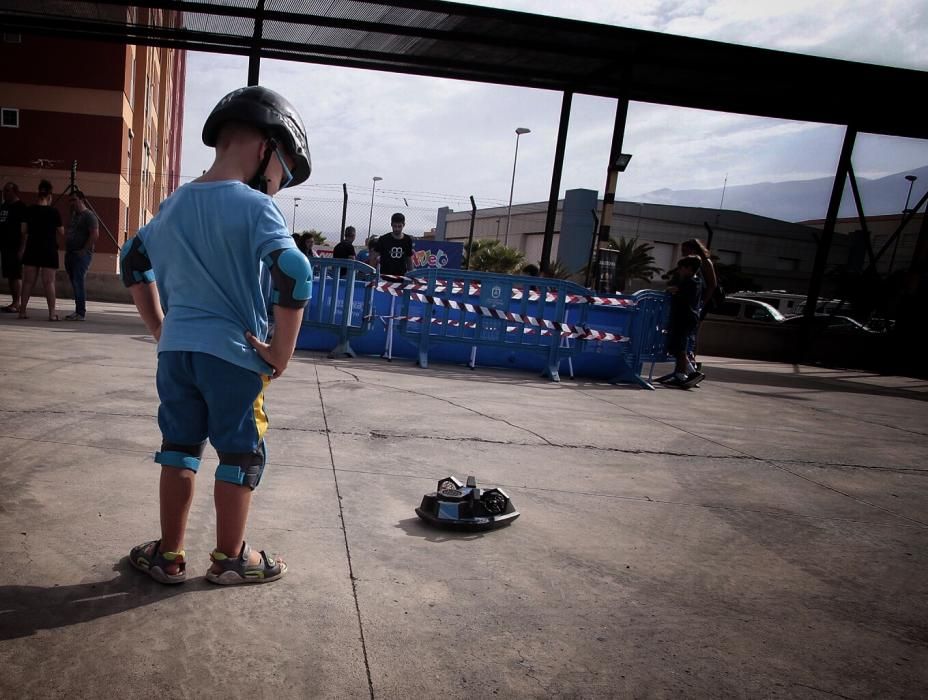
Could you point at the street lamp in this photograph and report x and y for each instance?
(521, 130)
(295, 205)
(371, 218)
(905, 210)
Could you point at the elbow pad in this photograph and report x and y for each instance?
(291, 277)
(134, 264)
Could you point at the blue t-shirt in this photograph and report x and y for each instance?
(206, 245)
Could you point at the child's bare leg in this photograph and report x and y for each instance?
(176, 492)
(232, 505)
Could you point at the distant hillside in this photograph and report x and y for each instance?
(799, 200)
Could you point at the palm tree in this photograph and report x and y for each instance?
(633, 262)
(556, 270)
(488, 255)
(317, 236)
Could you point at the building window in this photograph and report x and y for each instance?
(12, 38)
(728, 257)
(9, 117)
(132, 84)
(129, 158)
(127, 222)
(788, 264)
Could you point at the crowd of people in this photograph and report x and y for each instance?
(31, 237)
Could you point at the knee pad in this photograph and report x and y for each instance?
(180, 456)
(134, 264)
(242, 468)
(292, 277)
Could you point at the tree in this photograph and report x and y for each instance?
(318, 236)
(633, 262)
(488, 255)
(556, 270)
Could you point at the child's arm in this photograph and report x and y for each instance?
(145, 296)
(278, 352)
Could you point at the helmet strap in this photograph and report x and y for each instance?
(259, 180)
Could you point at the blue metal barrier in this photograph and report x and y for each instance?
(543, 316)
(649, 335)
(499, 320)
(342, 301)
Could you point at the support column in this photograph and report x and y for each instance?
(555, 182)
(824, 245)
(612, 173)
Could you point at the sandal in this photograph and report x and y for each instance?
(11, 309)
(236, 570)
(149, 559)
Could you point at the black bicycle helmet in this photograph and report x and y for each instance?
(271, 113)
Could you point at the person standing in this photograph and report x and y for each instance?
(38, 250)
(12, 215)
(393, 251)
(684, 317)
(83, 232)
(365, 254)
(345, 249)
(196, 273)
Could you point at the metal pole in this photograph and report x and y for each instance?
(295, 205)
(905, 210)
(470, 236)
(555, 182)
(515, 159)
(371, 218)
(589, 262)
(612, 173)
(344, 209)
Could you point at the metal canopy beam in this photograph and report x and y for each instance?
(450, 40)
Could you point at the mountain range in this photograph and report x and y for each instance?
(799, 200)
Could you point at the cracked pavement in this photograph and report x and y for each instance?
(763, 536)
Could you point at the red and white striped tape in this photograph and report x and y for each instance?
(397, 285)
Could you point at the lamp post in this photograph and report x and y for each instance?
(370, 219)
(905, 210)
(521, 130)
(295, 205)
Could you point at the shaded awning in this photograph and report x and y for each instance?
(451, 40)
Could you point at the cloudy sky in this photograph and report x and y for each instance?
(436, 142)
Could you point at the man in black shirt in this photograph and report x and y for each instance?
(345, 249)
(12, 215)
(393, 250)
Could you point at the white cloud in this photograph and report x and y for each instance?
(438, 141)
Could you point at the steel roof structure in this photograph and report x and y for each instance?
(451, 40)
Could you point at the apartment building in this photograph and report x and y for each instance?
(112, 113)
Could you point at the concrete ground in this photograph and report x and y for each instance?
(763, 536)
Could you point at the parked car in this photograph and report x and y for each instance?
(746, 310)
(833, 324)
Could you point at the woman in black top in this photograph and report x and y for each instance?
(42, 231)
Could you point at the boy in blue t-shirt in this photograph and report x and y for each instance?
(199, 274)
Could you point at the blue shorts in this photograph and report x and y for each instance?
(204, 397)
